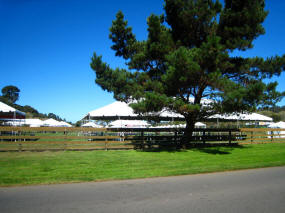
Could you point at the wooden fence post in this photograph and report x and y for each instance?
(65, 138)
(203, 137)
(142, 138)
(251, 137)
(230, 137)
(175, 138)
(20, 147)
(106, 148)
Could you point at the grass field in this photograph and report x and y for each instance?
(26, 168)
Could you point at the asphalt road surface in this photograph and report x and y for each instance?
(258, 190)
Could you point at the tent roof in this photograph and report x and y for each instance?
(128, 123)
(114, 109)
(197, 125)
(91, 124)
(200, 124)
(64, 124)
(242, 117)
(121, 110)
(4, 108)
(280, 124)
(51, 122)
(33, 121)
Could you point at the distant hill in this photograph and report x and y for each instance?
(31, 112)
(277, 113)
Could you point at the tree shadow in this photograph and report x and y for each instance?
(219, 149)
(215, 151)
(209, 148)
(161, 149)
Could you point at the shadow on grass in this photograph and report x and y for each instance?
(170, 150)
(219, 149)
(215, 149)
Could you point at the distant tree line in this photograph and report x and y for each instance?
(275, 112)
(11, 94)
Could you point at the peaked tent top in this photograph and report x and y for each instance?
(64, 124)
(121, 110)
(7, 111)
(91, 124)
(51, 122)
(114, 109)
(33, 122)
(128, 123)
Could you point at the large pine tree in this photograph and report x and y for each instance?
(187, 59)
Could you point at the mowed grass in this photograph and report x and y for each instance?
(74, 166)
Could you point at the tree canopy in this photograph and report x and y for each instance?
(11, 93)
(186, 59)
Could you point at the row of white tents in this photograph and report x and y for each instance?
(34, 122)
(120, 124)
(123, 116)
(121, 110)
(13, 117)
(138, 124)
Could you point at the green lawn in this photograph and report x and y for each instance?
(74, 166)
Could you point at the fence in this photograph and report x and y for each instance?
(61, 138)
(262, 135)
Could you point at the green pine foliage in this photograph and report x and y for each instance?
(186, 58)
(10, 93)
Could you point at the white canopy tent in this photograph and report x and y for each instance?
(13, 122)
(197, 125)
(128, 124)
(242, 117)
(8, 112)
(200, 125)
(114, 109)
(51, 122)
(91, 124)
(120, 110)
(278, 125)
(33, 122)
(64, 124)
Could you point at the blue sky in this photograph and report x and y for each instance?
(46, 46)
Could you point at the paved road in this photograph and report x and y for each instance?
(259, 190)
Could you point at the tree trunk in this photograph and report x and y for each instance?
(188, 133)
